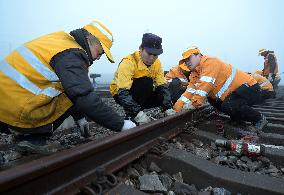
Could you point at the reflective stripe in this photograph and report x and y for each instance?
(184, 99)
(227, 83)
(106, 33)
(190, 90)
(25, 83)
(183, 80)
(201, 93)
(37, 64)
(208, 79)
(264, 83)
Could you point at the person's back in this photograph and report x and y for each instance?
(213, 70)
(232, 91)
(39, 97)
(46, 80)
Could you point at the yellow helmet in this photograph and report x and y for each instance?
(191, 50)
(258, 72)
(261, 51)
(103, 34)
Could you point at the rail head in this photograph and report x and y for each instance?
(41, 169)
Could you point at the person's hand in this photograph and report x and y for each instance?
(142, 118)
(170, 112)
(128, 124)
(188, 106)
(84, 127)
(270, 78)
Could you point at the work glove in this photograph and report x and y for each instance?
(142, 118)
(170, 112)
(128, 124)
(270, 78)
(84, 127)
(188, 106)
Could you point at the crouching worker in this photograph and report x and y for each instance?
(233, 91)
(46, 80)
(139, 81)
(177, 79)
(267, 91)
(275, 82)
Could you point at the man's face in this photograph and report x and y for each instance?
(263, 54)
(192, 61)
(147, 58)
(96, 50)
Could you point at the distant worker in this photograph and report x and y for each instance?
(270, 68)
(46, 80)
(139, 81)
(276, 80)
(233, 90)
(177, 78)
(267, 91)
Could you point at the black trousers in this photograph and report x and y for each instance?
(176, 89)
(143, 93)
(46, 129)
(266, 95)
(238, 104)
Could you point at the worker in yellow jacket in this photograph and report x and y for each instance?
(177, 78)
(46, 80)
(266, 87)
(235, 90)
(139, 81)
(276, 79)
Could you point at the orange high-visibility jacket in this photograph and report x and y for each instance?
(267, 65)
(213, 78)
(263, 82)
(176, 72)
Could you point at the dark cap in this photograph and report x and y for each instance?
(152, 43)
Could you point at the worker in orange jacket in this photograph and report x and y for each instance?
(234, 90)
(266, 87)
(270, 68)
(177, 78)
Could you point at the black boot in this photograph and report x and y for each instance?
(36, 144)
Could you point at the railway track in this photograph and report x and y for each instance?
(173, 143)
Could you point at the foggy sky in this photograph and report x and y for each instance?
(233, 30)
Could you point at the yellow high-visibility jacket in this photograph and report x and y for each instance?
(31, 93)
(263, 82)
(132, 67)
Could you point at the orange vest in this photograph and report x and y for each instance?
(213, 78)
(176, 72)
(266, 69)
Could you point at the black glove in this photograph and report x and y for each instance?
(130, 106)
(165, 95)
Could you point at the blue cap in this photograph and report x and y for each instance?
(152, 43)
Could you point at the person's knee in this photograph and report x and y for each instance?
(142, 88)
(175, 90)
(175, 82)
